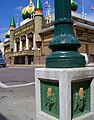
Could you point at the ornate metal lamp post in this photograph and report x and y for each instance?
(64, 45)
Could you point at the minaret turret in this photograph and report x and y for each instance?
(12, 23)
(12, 28)
(38, 8)
(38, 22)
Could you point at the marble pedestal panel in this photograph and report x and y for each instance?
(64, 94)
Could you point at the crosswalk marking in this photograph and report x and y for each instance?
(2, 85)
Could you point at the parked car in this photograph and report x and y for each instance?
(2, 60)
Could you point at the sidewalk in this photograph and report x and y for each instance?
(17, 103)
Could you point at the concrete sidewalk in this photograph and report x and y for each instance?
(17, 103)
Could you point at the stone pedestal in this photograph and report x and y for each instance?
(64, 94)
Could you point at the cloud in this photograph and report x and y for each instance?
(90, 17)
(2, 35)
(19, 8)
(3, 31)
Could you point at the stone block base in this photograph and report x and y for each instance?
(64, 94)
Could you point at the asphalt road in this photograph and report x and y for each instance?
(18, 73)
(17, 93)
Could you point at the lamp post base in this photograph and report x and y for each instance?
(65, 59)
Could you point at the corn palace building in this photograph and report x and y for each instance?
(28, 43)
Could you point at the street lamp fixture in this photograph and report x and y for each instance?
(64, 45)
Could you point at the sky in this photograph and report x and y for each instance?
(14, 8)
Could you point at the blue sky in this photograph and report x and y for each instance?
(11, 8)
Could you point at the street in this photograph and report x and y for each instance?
(17, 73)
(17, 93)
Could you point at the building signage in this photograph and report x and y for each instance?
(23, 30)
(22, 53)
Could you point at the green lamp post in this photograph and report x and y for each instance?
(64, 45)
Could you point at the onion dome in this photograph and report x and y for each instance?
(7, 35)
(74, 6)
(27, 11)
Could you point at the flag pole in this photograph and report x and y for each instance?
(83, 10)
(17, 21)
(47, 6)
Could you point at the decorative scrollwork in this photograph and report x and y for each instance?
(50, 100)
(80, 101)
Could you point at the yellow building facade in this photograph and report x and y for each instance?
(28, 44)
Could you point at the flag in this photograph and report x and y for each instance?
(17, 16)
(92, 8)
(46, 2)
(30, 1)
(82, 2)
(47, 6)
